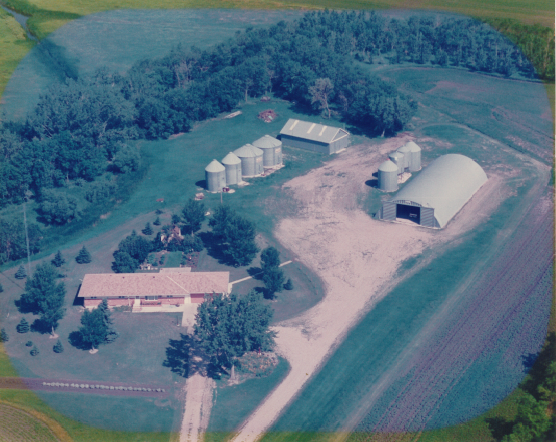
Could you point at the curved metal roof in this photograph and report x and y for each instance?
(388, 166)
(267, 142)
(445, 185)
(215, 166)
(231, 158)
(248, 151)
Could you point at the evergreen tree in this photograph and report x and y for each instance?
(93, 330)
(45, 295)
(23, 326)
(229, 326)
(148, 230)
(157, 221)
(58, 260)
(83, 257)
(29, 344)
(270, 257)
(273, 279)
(193, 215)
(58, 347)
(111, 333)
(4, 335)
(21, 273)
(34, 351)
(288, 285)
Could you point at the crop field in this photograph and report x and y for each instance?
(18, 426)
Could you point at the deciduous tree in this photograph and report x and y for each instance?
(193, 215)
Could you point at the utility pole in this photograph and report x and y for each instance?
(27, 233)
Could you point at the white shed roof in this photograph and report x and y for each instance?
(313, 131)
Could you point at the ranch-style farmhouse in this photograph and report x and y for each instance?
(169, 287)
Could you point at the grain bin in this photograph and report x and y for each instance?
(272, 151)
(388, 176)
(215, 176)
(406, 153)
(398, 159)
(251, 160)
(233, 169)
(415, 160)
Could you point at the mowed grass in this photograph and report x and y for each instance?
(233, 404)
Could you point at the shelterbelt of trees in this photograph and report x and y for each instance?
(80, 133)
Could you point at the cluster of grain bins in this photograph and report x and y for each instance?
(406, 159)
(250, 160)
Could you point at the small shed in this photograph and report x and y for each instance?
(272, 151)
(215, 176)
(251, 160)
(233, 168)
(314, 137)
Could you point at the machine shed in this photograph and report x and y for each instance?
(438, 193)
(313, 136)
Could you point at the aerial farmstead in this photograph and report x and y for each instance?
(314, 137)
(167, 288)
(434, 196)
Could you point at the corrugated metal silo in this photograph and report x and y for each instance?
(415, 161)
(233, 168)
(215, 176)
(398, 159)
(388, 176)
(406, 153)
(272, 151)
(251, 160)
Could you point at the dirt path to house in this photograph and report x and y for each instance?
(355, 256)
(198, 402)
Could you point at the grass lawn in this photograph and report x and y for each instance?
(232, 404)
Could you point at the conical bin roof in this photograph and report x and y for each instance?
(267, 142)
(248, 151)
(413, 147)
(215, 166)
(231, 158)
(388, 166)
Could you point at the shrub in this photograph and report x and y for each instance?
(157, 221)
(148, 230)
(84, 257)
(58, 260)
(23, 326)
(162, 259)
(21, 273)
(34, 351)
(58, 208)
(29, 344)
(100, 190)
(4, 335)
(58, 347)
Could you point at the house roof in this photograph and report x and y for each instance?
(313, 131)
(102, 285)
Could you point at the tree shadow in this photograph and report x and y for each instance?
(537, 366)
(256, 273)
(499, 427)
(39, 326)
(178, 356)
(214, 248)
(76, 340)
(26, 307)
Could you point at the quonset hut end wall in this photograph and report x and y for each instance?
(438, 193)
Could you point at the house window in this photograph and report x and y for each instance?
(151, 298)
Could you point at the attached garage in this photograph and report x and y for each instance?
(436, 194)
(312, 136)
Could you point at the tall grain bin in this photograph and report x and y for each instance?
(398, 159)
(215, 176)
(272, 151)
(415, 160)
(251, 160)
(233, 168)
(388, 176)
(406, 153)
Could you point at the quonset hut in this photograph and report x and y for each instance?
(272, 151)
(251, 160)
(215, 176)
(233, 168)
(313, 136)
(439, 192)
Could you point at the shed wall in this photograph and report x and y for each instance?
(298, 143)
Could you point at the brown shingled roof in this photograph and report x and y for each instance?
(153, 284)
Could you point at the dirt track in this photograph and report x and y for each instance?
(355, 256)
(198, 402)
